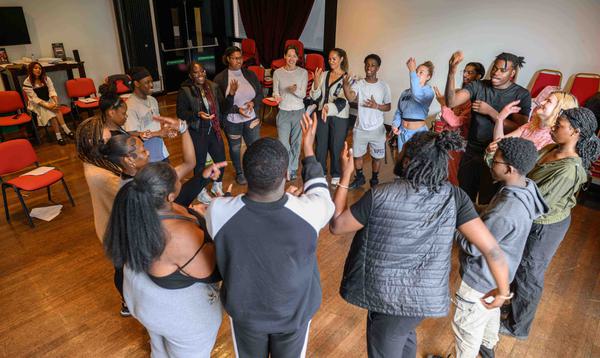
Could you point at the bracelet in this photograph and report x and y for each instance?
(508, 297)
(343, 186)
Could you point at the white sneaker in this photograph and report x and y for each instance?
(335, 181)
(204, 197)
(217, 188)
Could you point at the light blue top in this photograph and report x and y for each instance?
(414, 102)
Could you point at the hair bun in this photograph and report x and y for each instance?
(108, 89)
(450, 140)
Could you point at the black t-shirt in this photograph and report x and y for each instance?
(465, 211)
(481, 130)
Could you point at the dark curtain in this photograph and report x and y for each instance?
(271, 22)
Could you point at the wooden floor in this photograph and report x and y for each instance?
(57, 297)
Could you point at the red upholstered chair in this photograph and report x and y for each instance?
(275, 64)
(82, 88)
(543, 78)
(250, 53)
(584, 86)
(259, 72)
(11, 112)
(16, 155)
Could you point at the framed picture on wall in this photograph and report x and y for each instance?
(59, 51)
(3, 56)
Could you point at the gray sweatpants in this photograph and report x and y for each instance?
(182, 322)
(542, 243)
(289, 132)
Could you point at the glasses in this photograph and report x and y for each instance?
(497, 162)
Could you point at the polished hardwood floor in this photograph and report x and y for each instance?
(57, 297)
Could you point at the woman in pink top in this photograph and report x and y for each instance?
(542, 120)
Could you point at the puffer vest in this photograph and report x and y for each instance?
(399, 263)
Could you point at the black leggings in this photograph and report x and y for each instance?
(206, 142)
(118, 279)
(330, 139)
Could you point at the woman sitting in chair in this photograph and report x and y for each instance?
(43, 101)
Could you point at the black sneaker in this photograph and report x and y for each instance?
(71, 135)
(358, 182)
(241, 179)
(61, 142)
(507, 332)
(486, 352)
(373, 182)
(124, 310)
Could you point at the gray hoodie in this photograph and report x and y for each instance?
(508, 216)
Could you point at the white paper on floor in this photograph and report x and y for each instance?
(46, 213)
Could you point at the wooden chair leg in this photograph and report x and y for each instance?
(6, 212)
(24, 206)
(64, 183)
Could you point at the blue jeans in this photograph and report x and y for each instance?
(235, 133)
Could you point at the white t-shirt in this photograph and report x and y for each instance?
(370, 118)
(139, 119)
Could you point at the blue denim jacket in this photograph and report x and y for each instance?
(414, 102)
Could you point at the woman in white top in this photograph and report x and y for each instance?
(334, 124)
(43, 100)
(289, 89)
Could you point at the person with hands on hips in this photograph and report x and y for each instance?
(396, 272)
(241, 100)
(414, 102)
(332, 129)
(374, 98)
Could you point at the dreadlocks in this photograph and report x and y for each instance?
(88, 139)
(425, 158)
(588, 145)
(517, 61)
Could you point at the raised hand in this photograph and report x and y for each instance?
(493, 146)
(233, 87)
(318, 77)
(309, 131)
(295, 191)
(482, 107)
(509, 109)
(455, 59)
(439, 96)
(168, 122)
(347, 162)
(370, 103)
(213, 171)
(411, 64)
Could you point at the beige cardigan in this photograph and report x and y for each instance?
(103, 186)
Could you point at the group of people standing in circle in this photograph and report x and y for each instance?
(178, 264)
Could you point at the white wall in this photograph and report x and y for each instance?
(555, 34)
(86, 25)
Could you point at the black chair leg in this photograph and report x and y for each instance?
(5, 203)
(24, 207)
(36, 134)
(64, 183)
(49, 194)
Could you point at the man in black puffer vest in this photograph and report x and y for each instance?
(398, 266)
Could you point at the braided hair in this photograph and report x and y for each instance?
(88, 140)
(517, 61)
(588, 145)
(134, 234)
(425, 158)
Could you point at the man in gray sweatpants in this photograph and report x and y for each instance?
(509, 217)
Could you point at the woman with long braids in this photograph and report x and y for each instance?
(399, 262)
(198, 104)
(560, 172)
(102, 176)
(332, 129)
(43, 101)
(168, 258)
